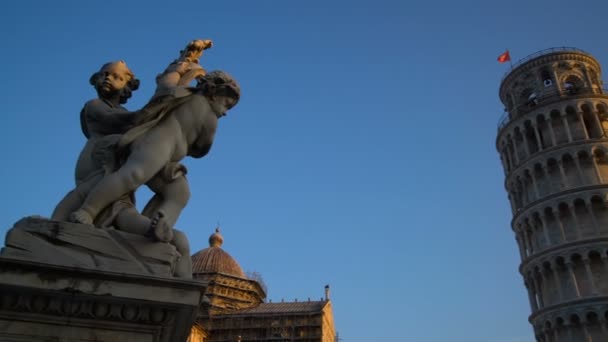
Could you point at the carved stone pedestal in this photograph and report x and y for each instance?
(46, 301)
(41, 302)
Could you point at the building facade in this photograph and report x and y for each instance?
(553, 144)
(305, 321)
(234, 308)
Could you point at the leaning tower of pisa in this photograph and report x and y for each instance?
(553, 144)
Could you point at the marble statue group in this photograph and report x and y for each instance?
(127, 149)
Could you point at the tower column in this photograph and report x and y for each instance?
(524, 190)
(526, 144)
(560, 224)
(538, 290)
(589, 274)
(572, 210)
(545, 335)
(569, 330)
(577, 289)
(577, 162)
(535, 185)
(511, 155)
(551, 131)
(508, 159)
(602, 323)
(604, 261)
(547, 279)
(528, 240)
(567, 127)
(586, 332)
(598, 123)
(521, 248)
(555, 335)
(558, 283)
(588, 78)
(515, 149)
(596, 226)
(532, 295)
(545, 231)
(596, 169)
(582, 123)
(537, 137)
(562, 173)
(512, 202)
(558, 85)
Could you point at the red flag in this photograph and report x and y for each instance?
(505, 57)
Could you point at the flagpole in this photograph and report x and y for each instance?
(510, 62)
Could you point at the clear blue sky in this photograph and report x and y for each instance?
(361, 154)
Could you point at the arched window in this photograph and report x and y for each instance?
(528, 97)
(601, 108)
(546, 77)
(573, 84)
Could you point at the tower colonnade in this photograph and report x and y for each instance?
(579, 118)
(553, 145)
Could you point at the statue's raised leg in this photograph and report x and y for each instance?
(170, 198)
(129, 220)
(148, 156)
(156, 228)
(74, 199)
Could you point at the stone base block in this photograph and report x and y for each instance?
(42, 302)
(83, 246)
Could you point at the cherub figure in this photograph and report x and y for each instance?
(171, 183)
(185, 127)
(103, 121)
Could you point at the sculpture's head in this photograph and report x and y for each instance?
(221, 89)
(114, 79)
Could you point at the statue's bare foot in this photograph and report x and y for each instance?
(160, 229)
(81, 216)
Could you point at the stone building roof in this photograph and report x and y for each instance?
(285, 308)
(215, 260)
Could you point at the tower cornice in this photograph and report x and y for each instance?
(544, 57)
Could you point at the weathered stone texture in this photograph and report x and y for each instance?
(68, 282)
(77, 245)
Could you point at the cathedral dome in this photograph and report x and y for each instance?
(215, 260)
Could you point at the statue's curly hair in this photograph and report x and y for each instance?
(219, 83)
(132, 83)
